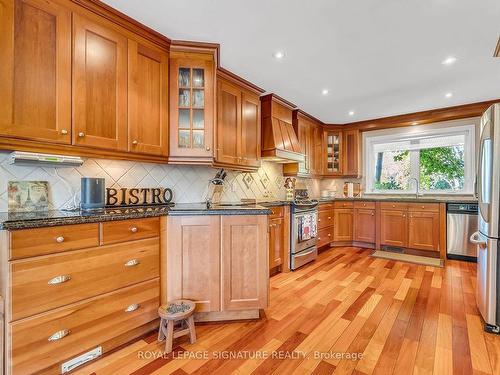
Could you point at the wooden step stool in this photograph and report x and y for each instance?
(178, 312)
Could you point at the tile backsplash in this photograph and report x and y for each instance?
(188, 183)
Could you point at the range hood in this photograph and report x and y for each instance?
(279, 140)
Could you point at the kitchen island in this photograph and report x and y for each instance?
(74, 281)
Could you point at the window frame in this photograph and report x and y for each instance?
(372, 138)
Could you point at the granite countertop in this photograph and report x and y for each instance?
(424, 199)
(26, 220)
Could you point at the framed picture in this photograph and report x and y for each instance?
(28, 196)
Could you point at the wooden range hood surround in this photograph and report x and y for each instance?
(279, 140)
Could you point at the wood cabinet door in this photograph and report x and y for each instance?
(393, 228)
(364, 225)
(245, 269)
(228, 123)
(191, 107)
(333, 147)
(350, 156)
(342, 224)
(250, 129)
(423, 231)
(99, 85)
(147, 99)
(193, 260)
(304, 135)
(276, 242)
(317, 150)
(35, 70)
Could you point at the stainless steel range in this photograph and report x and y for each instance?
(304, 222)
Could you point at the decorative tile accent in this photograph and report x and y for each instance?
(188, 183)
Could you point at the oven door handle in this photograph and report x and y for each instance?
(304, 253)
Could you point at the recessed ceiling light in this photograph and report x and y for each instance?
(325, 91)
(448, 95)
(351, 113)
(450, 60)
(278, 55)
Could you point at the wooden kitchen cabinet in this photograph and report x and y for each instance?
(192, 101)
(333, 152)
(244, 262)
(310, 135)
(325, 224)
(238, 124)
(35, 72)
(193, 259)
(99, 84)
(147, 98)
(219, 262)
(276, 242)
(393, 228)
(351, 152)
(423, 231)
(364, 225)
(343, 219)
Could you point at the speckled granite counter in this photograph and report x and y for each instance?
(26, 220)
(423, 199)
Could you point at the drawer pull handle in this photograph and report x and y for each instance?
(133, 229)
(59, 335)
(59, 279)
(132, 262)
(60, 239)
(132, 307)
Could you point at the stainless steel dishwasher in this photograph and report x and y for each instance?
(461, 223)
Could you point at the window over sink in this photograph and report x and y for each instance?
(441, 159)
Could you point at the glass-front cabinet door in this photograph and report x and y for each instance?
(192, 107)
(333, 154)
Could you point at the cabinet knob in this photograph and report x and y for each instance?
(134, 142)
(132, 262)
(64, 132)
(319, 220)
(364, 204)
(319, 238)
(404, 215)
(393, 206)
(59, 279)
(373, 214)
(423, 206)
(132, 307)
(207, 148)
(81, 134)
(59, 335)
(60, 239)
(133, 229)
(329, 234)
(329, 218)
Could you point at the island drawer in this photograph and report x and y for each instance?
(325, 206)
(425, 207)
(276, 212)
(129, 230)
(325, 219)
(366, 205)
(44, 283)
(31, 242)
(344, 204)
(47, 339)
(394, 206)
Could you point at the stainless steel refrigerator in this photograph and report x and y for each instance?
(488, 234)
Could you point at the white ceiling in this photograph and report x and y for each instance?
(376, 57)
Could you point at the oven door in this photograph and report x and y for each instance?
(304, 231)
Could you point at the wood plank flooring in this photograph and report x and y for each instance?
(346, 313)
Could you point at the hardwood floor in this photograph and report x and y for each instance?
(402, 318)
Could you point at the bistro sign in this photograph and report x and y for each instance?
(138, 196)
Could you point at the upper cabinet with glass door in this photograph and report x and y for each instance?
(333, 152)
(192, 93)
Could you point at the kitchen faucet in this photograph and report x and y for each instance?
(417, 183)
